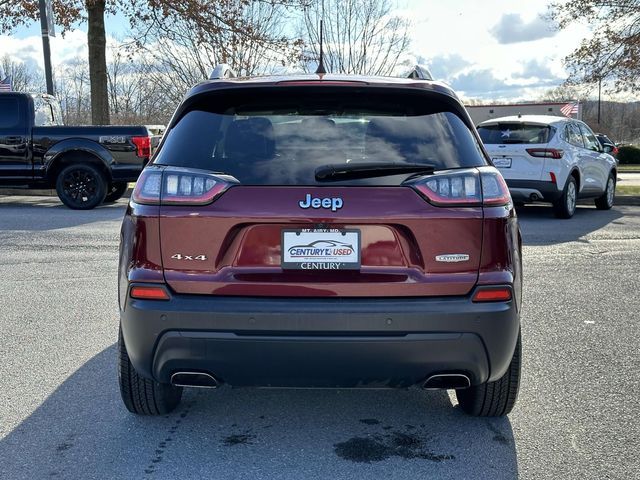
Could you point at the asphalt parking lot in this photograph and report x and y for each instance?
(61, 415)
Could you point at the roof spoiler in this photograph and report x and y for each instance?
(420, 72)
(222, 70)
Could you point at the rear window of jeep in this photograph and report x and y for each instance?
(281, 137)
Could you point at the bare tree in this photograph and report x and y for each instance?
(23, 77)
(564, 93)
(613, 50)
(178, 53)
(210, 17)
(73, 91)
(360, 36)
(134, 95)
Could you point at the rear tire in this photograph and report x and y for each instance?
(565, 206)
(605, 202)
(81, 186)
(115, 191)
(141, 395)
(494, 399)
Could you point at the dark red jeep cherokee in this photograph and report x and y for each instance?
(320, 231)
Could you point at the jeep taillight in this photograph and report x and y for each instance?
(148, 186)
(178, 186)
(495, 192)
(464, 188)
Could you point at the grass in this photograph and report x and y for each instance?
(628, 190)
(629, 168)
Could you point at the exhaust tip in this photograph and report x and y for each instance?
(447, 381)
(194, 379)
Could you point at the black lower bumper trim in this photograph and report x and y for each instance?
(520, 190)
(328, 342)
(321, 361)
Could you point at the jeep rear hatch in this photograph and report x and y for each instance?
(250, 206)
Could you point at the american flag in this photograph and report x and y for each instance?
(5, 85)
(569, 109)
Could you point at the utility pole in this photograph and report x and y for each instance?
(599, 97)
(47, 27)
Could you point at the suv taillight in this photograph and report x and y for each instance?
(143, 146)
(178, 186)
(464, 188)
(545, 152)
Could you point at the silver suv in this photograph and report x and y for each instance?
(550, 159)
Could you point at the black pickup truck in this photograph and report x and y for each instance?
(86, 165)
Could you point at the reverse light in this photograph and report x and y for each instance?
(147, 189)
(545, 152)
(178, 186)
(149, 293)
(143, 146)
(451, 188)
(495, 192)
(464, 188)
(492, 294)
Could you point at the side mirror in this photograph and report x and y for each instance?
(607, 148)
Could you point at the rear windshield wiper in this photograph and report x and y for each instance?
(354, 171)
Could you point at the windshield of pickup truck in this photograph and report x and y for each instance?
(283, 139)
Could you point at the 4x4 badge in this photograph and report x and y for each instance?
(180, 256)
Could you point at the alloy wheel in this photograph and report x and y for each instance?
(571, 197)
(611, 191)
(80, 186)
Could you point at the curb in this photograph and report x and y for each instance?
(627, 200)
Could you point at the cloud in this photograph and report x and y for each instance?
(480, 83)
(484, 84)
(513, 29)
(538, 69)
(446, 67)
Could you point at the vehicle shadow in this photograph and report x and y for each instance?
(83, 431)
(540, 227)
(48, 213)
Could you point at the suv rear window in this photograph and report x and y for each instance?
(503, 133)
(279, 136)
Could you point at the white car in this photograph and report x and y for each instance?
(550, 159)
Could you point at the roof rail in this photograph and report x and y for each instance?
(420, 72)
(222, 70)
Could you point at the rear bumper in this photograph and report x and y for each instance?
(329, 342)
(522, 190)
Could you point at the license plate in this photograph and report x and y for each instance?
(321, 249)
(501, 162)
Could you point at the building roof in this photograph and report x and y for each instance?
(536, 119)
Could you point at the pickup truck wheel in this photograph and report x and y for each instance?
(605, 202)
(115, 191)
(81, 186)
(141, 395)
(494, 399)
(565, 206)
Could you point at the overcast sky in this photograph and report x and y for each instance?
(490, 49)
